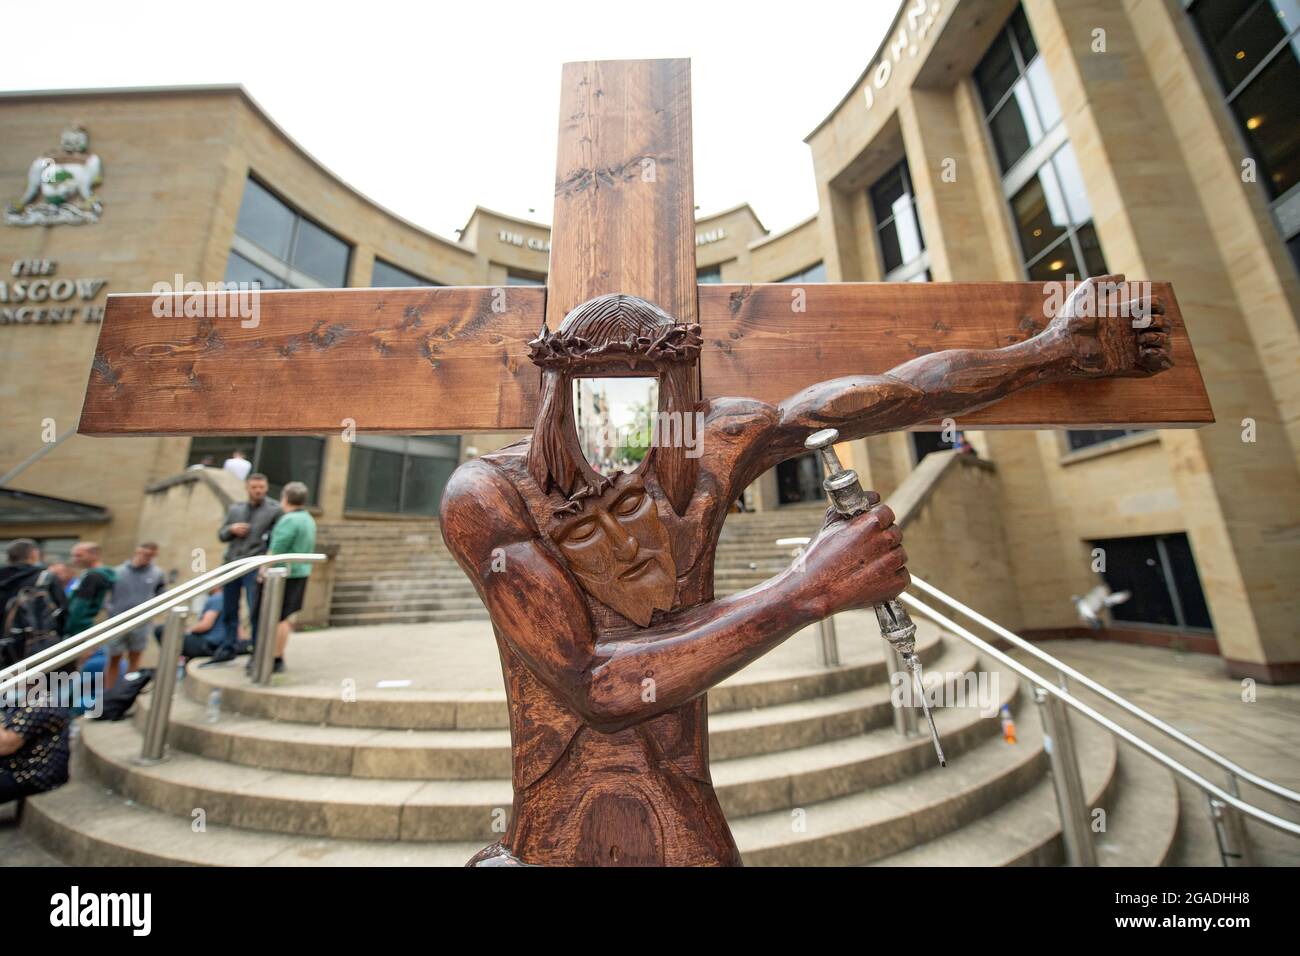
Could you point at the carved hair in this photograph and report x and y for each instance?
(612, 333)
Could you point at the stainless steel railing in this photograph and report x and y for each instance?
(1066, 671)
(176, 603)
(1226, 805)
(94, 637)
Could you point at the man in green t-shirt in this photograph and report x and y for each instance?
(293, 533)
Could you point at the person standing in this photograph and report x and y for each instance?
(247, 529)
(294, 533)
(238, 465)
(32, 603)
(94, 585)
(138, 580)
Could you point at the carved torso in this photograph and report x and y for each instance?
(642, 795)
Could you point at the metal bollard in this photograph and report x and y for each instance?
(828, 648)
(906, 721)
(268, 618)
(1230, 829)
(1066, 780)
(164, 687)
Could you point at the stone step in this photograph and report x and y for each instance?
(781, 679)
(86, 824)
(381, 604)
(350, 807)
(352, 619)
(867, 826)
(485, 754)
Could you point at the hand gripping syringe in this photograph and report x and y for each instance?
(896, 626)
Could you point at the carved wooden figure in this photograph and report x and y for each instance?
(600, 588)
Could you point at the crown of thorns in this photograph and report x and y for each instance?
(615, 328)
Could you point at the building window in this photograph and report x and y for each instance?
(281, 458)
(1040, 171)
(1041, 177)
(282, 249)
(1086, 438)
(1160, 572)
(396, 475)
(1254, 46)
(898, 229)
(709, 275)
(814, 273)
(388, 276)
(516, 277)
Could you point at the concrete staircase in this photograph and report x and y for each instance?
(807, 766)
(389, 572)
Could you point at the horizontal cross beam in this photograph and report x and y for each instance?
(455, 359)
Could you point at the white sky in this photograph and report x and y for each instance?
(430, 108)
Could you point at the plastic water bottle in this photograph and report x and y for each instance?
(214, 706)
(1008, 725)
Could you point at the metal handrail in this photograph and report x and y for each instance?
(94, 637)
(1250, 810)
(154, 605)
(1212, 755)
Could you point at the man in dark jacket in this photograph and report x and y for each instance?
(247, 529)
(25, 570)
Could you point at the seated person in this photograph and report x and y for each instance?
(207, 633)
(33, 749)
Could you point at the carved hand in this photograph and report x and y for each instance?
(1107, 337)
(857, 562)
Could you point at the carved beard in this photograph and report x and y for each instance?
(619, 551)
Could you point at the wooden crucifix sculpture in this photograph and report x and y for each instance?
(600, 588)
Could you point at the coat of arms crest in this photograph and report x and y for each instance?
(60, 185)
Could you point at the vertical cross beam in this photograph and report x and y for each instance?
(624, 192)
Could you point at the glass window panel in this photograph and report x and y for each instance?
(213, 450)
(921, 277)
(1040, 213)
(1240, 33)
(1133, 564)
(239, 269)
(1094, 263)
(909, 231)
(1186, 581)
(1040, 84)
(1070, 179)
(709, 275)
(1024, 36)
(1055, 266)
(320, 254)
(1269, 112)
(816, 273)
(996, 72)
(1010, 134)
(886, 194)
(890, 251)
(294, 458)
(523, 278)
(374, 480)
(426, 478)
(386, 276)
(265, 220)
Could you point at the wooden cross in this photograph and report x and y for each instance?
(603, 605)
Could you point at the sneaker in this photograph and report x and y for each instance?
(243, 647)
(222, 655)
(279, 666)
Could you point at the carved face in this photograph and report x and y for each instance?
(618, 550)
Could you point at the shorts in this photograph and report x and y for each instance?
(294, 590)
(133, 641)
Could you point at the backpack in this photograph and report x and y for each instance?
(31, 621)
(118, 699)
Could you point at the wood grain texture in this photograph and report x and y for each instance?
(392, 360)
(624, 196)
(757, 346)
